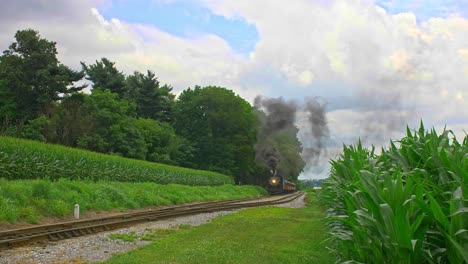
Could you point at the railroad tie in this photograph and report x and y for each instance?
(76, 233)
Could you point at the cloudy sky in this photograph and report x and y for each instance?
(377, 65)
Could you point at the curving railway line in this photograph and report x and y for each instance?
(58, 231)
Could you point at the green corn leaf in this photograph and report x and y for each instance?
(437, 212)
(460, 211)
(461, 231)
(460, 251)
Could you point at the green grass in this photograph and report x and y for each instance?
(152, 235)
(24, 159)
(29, 200)
(405, 205)
(149, 234)
(131, 237)
(259, 235)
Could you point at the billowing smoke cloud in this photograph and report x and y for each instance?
(276, 116)
(386, 118)
(280, 114)
(384, 113)
(314, 145)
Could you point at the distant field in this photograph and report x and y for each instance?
(30, 200)
(24, 159)
(259, 235)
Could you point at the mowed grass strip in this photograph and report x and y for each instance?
(25, 159)
(30, 200)
(258, 235)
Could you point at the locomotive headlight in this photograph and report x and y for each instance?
(274, 181)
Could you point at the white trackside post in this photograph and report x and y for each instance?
(77, 211)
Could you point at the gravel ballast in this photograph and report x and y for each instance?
(99, 247)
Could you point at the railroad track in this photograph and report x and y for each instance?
(58, 231)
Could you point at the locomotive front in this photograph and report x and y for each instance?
(275, 185)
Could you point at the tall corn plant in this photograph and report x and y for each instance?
(406, 205)
(24, 159)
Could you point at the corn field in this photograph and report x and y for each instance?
(23, 159)
(404, 205)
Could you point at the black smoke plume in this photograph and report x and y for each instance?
(277, 115)
(319, 132)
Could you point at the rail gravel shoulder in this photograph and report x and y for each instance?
(53, 232)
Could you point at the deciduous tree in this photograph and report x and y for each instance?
(221, 125)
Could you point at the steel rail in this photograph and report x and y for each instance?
(58, 231)
(70, 224)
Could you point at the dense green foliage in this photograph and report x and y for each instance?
(23, 159)
(125, 116)
(29, 200)
(152, 101)
(133, 116)
(287, 143)
(406, 205)
(32, 78)
(259, 235)
(105, 75)
(221, 126)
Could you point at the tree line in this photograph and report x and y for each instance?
(135, 116)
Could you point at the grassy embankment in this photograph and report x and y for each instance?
(29, 200)
(405, 205)
(258, 235)
(38, 180)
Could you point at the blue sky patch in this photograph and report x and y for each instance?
(185, 19)
(425, 9)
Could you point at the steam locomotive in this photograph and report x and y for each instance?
(278, 185)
